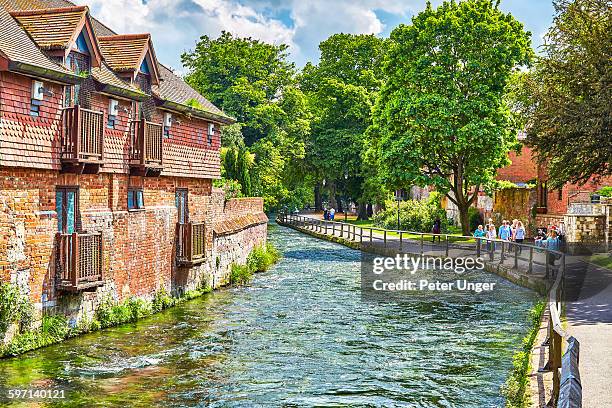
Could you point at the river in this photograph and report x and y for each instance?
(300, 335)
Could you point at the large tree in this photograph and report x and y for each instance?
(441, 119)
(254, 82)
(243, 76)
(569, 93)
(341, 90)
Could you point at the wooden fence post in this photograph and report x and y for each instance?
(446, 245)
(400, 244)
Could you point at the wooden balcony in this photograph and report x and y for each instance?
(146, 148)
(190, 243)
(79, 261)
(82, 148)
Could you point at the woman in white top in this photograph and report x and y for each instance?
(491, 234)
(519, 235)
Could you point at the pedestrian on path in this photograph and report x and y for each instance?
(326, 214)
(479, 233)
(437, 228)
(491, 236)
(519, 235)
(332, 213)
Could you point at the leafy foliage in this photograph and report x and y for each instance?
(254, 82)
(441, 118)
(566, 98)
(259, 260)
(605, 191)
(341, 90)
(14, 308)
(415, 215)
(516, 385)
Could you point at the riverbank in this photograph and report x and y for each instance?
(18, 323)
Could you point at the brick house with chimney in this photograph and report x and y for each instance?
(107, 162)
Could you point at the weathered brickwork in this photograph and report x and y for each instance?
(139, 245)
(522, 169)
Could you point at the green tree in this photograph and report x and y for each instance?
(441, 119)
(243, 76)
(568, 94)
(254, 82)
(341, 90)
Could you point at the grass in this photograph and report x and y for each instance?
(603, 260)
(515, 389)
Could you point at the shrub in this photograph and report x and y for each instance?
(262, 257)
(475, 218)
(14, 308)
(605, 191)
(516, 385)
(415, 215)
(240, 274)
(162, 300)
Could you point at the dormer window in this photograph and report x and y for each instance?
(78, 59)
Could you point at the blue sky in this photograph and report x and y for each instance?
(302, 24)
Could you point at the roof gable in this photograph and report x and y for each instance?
(59, 29)
(22, 55)
(128, 53)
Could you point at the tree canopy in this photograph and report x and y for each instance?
(341, 90)
(441, 119)
(568, 94)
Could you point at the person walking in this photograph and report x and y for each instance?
(332, 213)
(491, 236)
(479, 233)
(519, 235)
(551, 243)
(325, 214)
(437, 228)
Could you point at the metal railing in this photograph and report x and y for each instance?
(567, 391)
(190, 243)
(79, 258)
(533, 259)
(146, 148)
(82, 134)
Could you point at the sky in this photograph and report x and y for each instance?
(176, 25)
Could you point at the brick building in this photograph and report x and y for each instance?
(107, 161)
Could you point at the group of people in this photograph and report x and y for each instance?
(515, 232)
(508, 231)
(329, 214)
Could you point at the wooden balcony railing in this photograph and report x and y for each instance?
(146, 149)
(79, 260)
(190, 243)
(82, 135)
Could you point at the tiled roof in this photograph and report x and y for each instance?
(124, 52)
(105, 75)
(233, 225)
(19, 48)
(174, 89)
(171, 87)
(51, 28)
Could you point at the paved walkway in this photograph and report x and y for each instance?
(589, 319)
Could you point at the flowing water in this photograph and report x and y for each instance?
(299, 335)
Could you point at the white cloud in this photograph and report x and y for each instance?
(176, 25)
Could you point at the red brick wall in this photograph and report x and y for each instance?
(557, 204)
(138, 256)
(522, 169)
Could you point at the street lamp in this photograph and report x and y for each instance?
(345, 198)
(398, 197)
